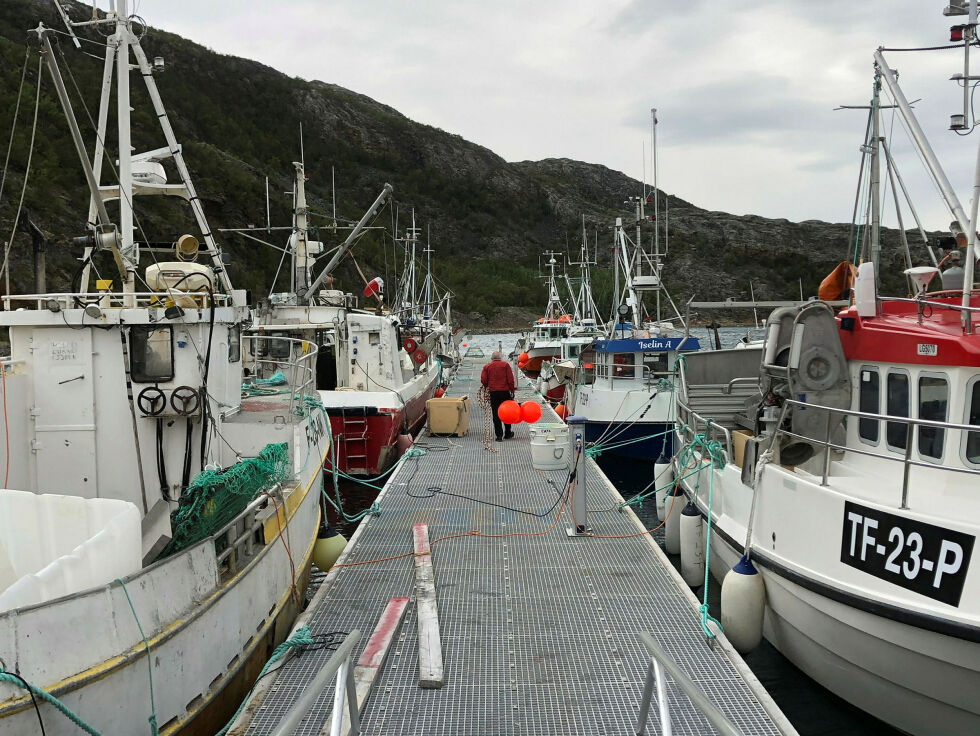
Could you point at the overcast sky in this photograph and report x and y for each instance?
(745, 90)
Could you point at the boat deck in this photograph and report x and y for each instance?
(539, 630)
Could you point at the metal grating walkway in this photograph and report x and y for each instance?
(539, 633)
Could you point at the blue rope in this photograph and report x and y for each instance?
(149, 662)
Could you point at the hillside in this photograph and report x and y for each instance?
(489, 219)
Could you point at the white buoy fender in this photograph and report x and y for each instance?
(743, 605)
(663, 477)
(692, 546)
(672, 526)
(328, 546)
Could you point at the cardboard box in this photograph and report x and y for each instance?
(448, 416)
(739, 436)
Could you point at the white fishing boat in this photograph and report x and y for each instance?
(157, 527)
(375, 367)
(840, 464)
(586, 326)
(627, 399)
(543, 342)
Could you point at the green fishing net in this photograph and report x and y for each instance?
(215, 497)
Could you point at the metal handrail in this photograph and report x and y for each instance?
(115, 299)
(659, 661)
(302, 369)
(727, 390)
(340, 663)
(710, 426)
(905, 458)
(930, 302)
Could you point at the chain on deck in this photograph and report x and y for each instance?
(539, 633)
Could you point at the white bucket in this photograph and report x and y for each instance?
(549, 446)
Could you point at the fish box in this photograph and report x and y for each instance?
(549, 446)
(448, 416)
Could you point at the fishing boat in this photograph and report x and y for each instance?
(838, 467)
(543, 342)
(157, 525)
(375, 367)
(627, 398)
(585, 327)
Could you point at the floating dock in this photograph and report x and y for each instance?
(538, 631)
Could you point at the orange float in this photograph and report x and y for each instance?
(562, 411)
(509, 412)
(530, 411)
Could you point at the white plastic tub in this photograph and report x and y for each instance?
(549, 446)
(52, 546)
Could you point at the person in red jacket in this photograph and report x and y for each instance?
(498, 379)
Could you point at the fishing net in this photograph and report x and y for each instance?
(215, 497)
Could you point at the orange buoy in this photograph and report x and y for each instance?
(439, 393)
(509, 412)
(523, 358)
(562, 411)
(530, 411)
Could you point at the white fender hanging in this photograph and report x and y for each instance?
(692, 546)
(663, 476)
(672, 527)
(743, 605)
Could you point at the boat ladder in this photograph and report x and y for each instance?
(354, 438)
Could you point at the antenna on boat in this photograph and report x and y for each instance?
(302, 152)
(268, 208)
(68, 24)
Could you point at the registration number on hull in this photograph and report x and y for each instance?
(921, 557)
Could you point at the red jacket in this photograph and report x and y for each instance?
(497, 376)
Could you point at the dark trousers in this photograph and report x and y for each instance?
(496, 399)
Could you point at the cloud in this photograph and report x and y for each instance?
(745, 91)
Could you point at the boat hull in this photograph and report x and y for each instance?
(203, 658)
(645, 442)
(366, 426)
(911, 678)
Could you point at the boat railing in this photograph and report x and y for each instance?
(628, 372)
(659, 662)
(339, 664)
(293, 357)
(114, 300)
(911, 437)
(690, 424)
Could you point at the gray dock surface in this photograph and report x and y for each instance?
(539, 633)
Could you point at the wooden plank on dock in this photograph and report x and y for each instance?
(372, 658)
(431, 674)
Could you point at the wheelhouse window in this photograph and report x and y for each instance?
(623, 365)
(655, 364)
(897, 405)
(973, 417)
(151, 358)
(933, 405)
(869, 401)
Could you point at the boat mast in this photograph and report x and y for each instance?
(128, 247)
(300, 254)
(428, 276)
(876, 178)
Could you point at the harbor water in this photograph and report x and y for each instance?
(813, 710)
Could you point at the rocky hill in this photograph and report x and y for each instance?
(489, 219)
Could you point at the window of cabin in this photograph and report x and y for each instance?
(897, 405)
(973, 417)
(655, 364)
(623, 365)
(933, 405)
(869, 401)
(151, 357)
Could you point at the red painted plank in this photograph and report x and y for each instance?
(374, 651)
(421, 534)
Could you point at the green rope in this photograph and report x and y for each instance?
(300, 639)
(149, 663)
(697, 449)
(49, 698)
